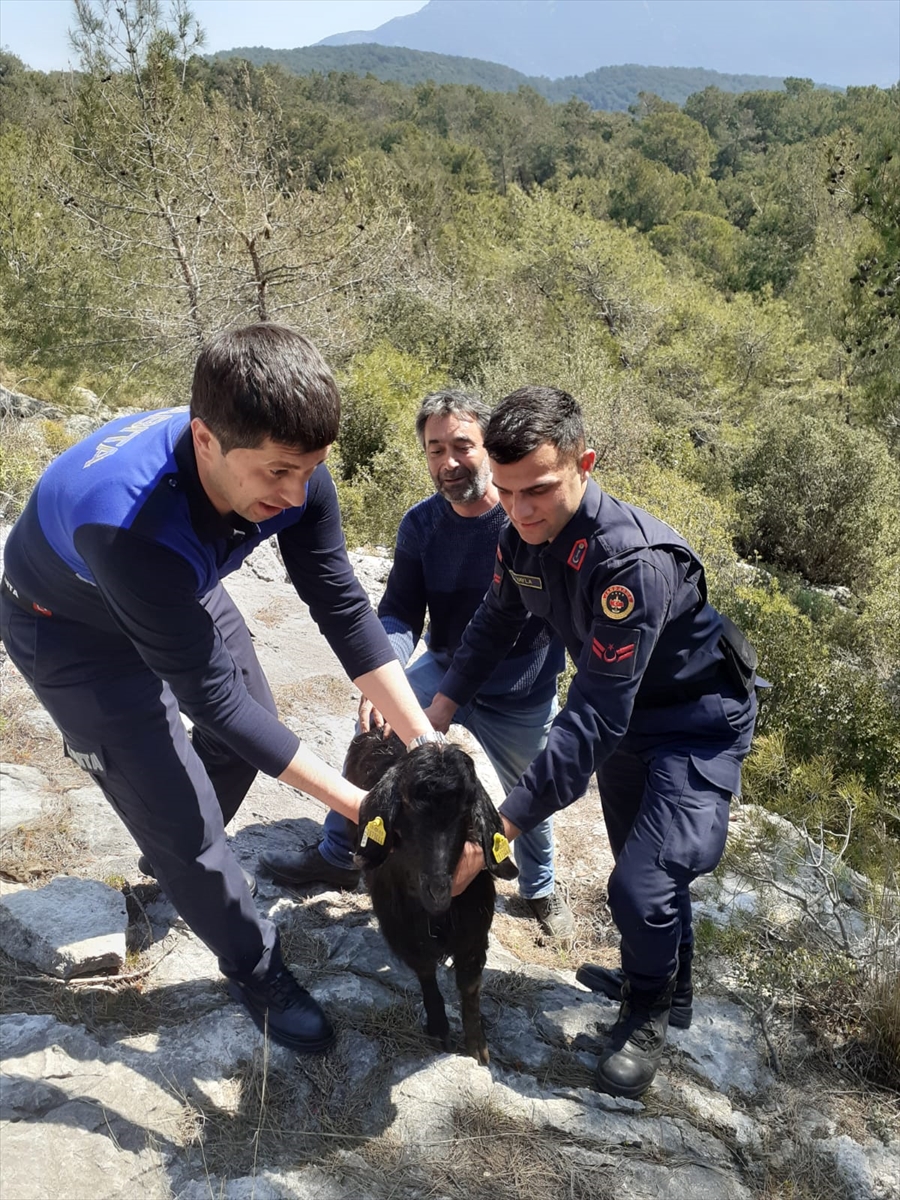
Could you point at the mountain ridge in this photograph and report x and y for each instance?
(612, 88)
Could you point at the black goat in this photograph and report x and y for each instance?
(420, 810)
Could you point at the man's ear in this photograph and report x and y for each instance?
(205, 441)
(587, 461)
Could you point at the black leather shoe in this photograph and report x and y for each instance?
(609, 980)
(145, 867)
(285, 1011)
(308, 867)
(633, 1051)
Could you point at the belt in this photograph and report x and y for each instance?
(23, 602)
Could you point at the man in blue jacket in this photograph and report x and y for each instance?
(111, 606)
(662, 705)
(443, 565)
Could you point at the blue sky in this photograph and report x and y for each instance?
(35, 30)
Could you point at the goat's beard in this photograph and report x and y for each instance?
(469, 488)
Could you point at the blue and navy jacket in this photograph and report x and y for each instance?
(443, 564)
(120, 536)
(627, 595)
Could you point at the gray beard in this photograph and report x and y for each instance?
(467, 491)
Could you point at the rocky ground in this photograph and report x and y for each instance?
(128, 1072)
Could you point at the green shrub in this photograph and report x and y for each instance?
(375, 499)
(814, 497)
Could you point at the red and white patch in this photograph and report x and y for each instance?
(613, 651)
(578, 554)
(617, 602)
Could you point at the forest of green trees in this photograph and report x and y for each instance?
(716, 282)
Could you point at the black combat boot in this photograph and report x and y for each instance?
(609, 980)
(283, 1009)
(630, 1059)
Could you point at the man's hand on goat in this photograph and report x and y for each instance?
(440, 712)
(471, 863)
(369, 716)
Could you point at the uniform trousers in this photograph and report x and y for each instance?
(666, 793)
(175, 793)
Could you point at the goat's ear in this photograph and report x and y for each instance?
(377, 815)
(488, 831)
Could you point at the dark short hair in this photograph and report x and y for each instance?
(532, 417)
(448, 402)
(265, 381)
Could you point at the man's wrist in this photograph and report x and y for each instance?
(423, 739)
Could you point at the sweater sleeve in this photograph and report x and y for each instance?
(488, 638)
(315, 556)
(404, 603)
(150, 592)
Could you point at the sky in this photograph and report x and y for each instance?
(35, 30)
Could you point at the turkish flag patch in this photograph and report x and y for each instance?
(613, 650)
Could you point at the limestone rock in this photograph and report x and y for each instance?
(68, 927)
(25, 795)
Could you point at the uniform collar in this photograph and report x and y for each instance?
(208, 522)
(583, 524)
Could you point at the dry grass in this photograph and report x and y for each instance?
(493, 1156)
(132, 1005)
(45, 846)
(281, 1117)
(318, 693)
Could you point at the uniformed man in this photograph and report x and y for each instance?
(112, 608)
(662, 705)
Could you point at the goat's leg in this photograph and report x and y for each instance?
(468, 979)
(436, 1023)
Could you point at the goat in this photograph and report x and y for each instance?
(421, 808)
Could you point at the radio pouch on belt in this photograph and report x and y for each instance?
(740, 657)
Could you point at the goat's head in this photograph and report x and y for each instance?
(425, 806)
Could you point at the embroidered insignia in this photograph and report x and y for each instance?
(374, 830)
(617, 602)
(577, 554)
(500, 849)
(610, 653)
(497, 578)
(613, 650)
(529, 581)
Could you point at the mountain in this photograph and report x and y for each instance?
(842, 42)
(612, 89)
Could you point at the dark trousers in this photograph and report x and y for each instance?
(174, 793)
(666, 794)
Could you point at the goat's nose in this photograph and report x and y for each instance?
(435, 893)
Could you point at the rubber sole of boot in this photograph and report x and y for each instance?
(299, 1045)
(608, 981)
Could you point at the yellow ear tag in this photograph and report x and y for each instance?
(500, 848)
(374, 830)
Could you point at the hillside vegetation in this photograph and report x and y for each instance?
(611, 88)
(717, 283)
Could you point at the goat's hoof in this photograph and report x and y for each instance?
(480, 1053)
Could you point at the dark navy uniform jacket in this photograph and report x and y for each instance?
(120, 536)
(627, 595)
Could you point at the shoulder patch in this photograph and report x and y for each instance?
(577, 554)
(617, 602)
(613, 650)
